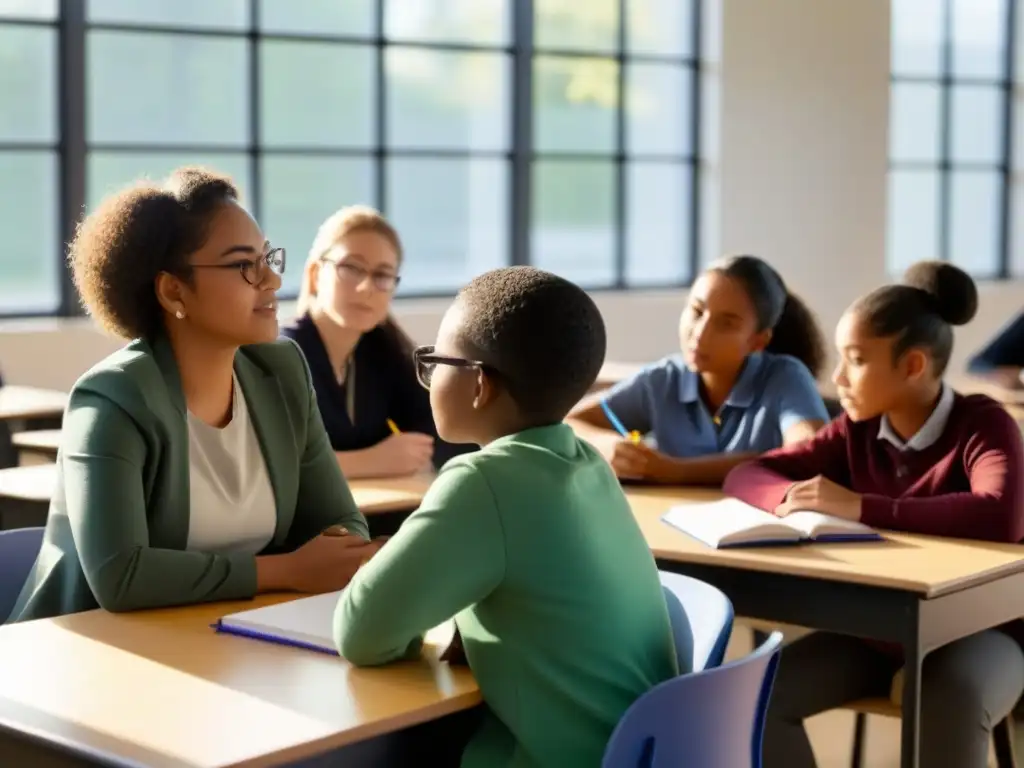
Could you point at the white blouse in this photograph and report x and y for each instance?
(232, 506)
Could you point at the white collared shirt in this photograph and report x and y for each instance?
(929, 432)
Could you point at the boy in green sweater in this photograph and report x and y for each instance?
(529, 543)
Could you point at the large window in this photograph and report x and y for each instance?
(492, 132)
(951, 134)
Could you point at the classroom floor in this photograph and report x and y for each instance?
(832, 733)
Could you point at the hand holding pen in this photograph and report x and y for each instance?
(632, 459)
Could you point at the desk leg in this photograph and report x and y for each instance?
(911, 735)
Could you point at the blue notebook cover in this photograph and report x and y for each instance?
(228, 629)
(304, 622)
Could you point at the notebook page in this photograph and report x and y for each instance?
(721, 520)
(817, 524)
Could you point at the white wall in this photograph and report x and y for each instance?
(796, 97)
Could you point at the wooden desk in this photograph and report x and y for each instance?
(162, 689)
(400, 494)
(25, 494)
(612, 373)
(31, 404)
(42, 442)
(920, 592)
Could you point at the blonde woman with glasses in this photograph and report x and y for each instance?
(377, 416)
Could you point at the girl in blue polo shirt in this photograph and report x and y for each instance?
(743, 384)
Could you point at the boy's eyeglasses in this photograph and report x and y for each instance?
(426, 362)
(354, 274)
(253, 271)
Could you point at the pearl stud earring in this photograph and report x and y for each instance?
(180, 315)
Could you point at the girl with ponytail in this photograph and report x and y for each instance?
(377, 416)
(743, 384)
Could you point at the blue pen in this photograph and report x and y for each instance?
(633, 437)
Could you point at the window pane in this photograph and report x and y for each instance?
(573, 223)
(659, 217)
(161, 89)
(28, 9)
(31, 257)
(977, 125)
(318, 17)
(574, 103)
(913, 218)
(979, 37)
(440, 99)
(28, 84)
(298, 193)
(662, 27)
(317, 94)
(227, 14)
(658, 113)
(974, 222)
(452, 216)
(917, 37)
(577, 26)
(479, 22)
(107, 172)
(914, 122)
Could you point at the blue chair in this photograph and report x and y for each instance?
(709, 719)
(19, 548)
(701, 617)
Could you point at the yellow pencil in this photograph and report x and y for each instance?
(394, 428)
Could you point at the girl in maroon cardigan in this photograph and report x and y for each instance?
(908, 454)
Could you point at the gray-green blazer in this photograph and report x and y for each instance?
(118, 524)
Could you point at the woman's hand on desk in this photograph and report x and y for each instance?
(819, 494)
(328, 562)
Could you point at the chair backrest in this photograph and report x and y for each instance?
(19, 548)
(709, 719)
(701, 617)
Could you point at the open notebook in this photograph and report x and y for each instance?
(734, 523)
(307, 622)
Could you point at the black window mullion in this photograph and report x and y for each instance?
(520, 181)
(945, 133)
(621, 171)
(696, 140)
(380, 72)
(72, 141)
(1006, 166)
(255, 194)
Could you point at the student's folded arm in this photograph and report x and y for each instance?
(324, 498)
(629, 400)
(448, 555)
(993, 510)
(764, 482)
(102, 477)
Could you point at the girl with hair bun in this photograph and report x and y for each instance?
(908, 454)
(743, 383)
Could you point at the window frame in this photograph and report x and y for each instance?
(946, 166)
(73, 148)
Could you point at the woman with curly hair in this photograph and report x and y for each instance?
(193, 463)
(744, 383)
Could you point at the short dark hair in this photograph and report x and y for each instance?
(795, 330)
(543, 335)
(920, 312)
(133, 236)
